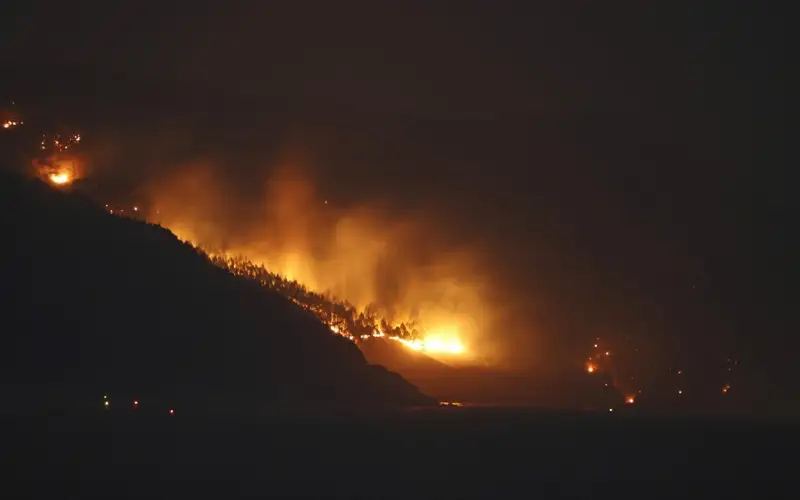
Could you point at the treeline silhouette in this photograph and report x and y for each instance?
(96, 304)
(341, 316)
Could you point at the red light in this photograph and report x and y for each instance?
(172, 412)
(135, 403)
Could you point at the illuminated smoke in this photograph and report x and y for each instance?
(391, 267)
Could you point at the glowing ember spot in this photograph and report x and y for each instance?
(726, 388)
(171, 412)
(630, 400)
(60, 178)
(590, 368)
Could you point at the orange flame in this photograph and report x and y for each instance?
(390, 267)
(60, 178)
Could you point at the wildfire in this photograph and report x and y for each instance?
(434, 344)
(57, 162)
(60, 178)
(344, 319)
(354, 324)
(443, 344)
(364, 271)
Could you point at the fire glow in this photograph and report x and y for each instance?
(435, 344)
(343, 319)
(391, 272)
(60, 178)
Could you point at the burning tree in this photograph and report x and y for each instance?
(339, 315)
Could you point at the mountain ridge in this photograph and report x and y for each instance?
(100, 302)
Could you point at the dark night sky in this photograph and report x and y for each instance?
(610, 157)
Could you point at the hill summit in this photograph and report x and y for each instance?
(94, 304)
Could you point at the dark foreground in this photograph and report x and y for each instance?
(448, 453)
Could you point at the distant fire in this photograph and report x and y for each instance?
(363, 273)
(345, 320)
(60, 178)
(435, 344)
(57, 161)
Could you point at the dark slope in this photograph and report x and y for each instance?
(93, 303)
(570, 388)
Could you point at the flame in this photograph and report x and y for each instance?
(342, 318)
(57, 162)
(390, 269)
(445, 343)
(434, 345)
(60, 178)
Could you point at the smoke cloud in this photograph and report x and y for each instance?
(400, 266)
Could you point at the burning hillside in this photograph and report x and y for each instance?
(362, 272)
(58, 162)
(169, 330)
(56, 159)
(347, 269)
(365, 271)
(342, 317)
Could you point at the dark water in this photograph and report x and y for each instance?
(454, 453)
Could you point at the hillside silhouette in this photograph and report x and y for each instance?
(96, 304)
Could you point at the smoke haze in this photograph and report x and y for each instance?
(404, 267)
